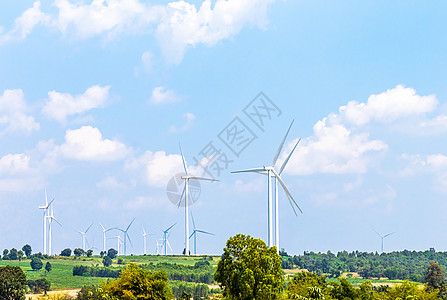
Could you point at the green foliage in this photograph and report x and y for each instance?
(36, 264)
(12, 283)
(66, 252)
(27, 250)
(184, 296)
(201, 272)
(107, 261)
(435, 279)
(39, 285)
(249, 269)
(88, 293)
(304, 284)
(95, 272)
(78, 252)
(112, 253)
(136, 283)
(196, 290)
(47, 267)
(89, 253)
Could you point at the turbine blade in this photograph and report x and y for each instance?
(205, 232)
(181, 196)
(388, 234)
(88, 228)
(183, 160)
(250, 170)
(130, 224)
(144, 231)
(193, 224)
(202, 178)
(289, 196)
(88, 244)
(288, 157)
(103, 229)
(193, 232)
(171, 227)
(278, 152)
(129, 239)
(57, 221)
(378, 234)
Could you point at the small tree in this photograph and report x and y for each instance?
(66, 252)
(47, 268)
(13, 254)
(5, 254)
(13, 283)
(112, 253)
(36, 264)
(20, 254)
(107, 261)
(435, 279)
(78, 252)
(89, 253)
(27, 249)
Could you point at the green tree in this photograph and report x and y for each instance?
(249, 269)
(435, 279)
(185, 296)
(47, 268)
(13, 254)
(66, 252)
(36, 264)
(5, 254)
(27, 249)
(107, 261)
(20, 254)
(112, 253)
(12, 283)
(89, 253)
(307, 285)
(78, 252)
(39, 285)
(136, 283)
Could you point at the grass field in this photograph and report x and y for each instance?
(61, 275)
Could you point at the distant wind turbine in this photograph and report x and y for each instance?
(194, 233)
(45, 209)
(104, 236)
(382, 237)
(126, 236)
(84, 237)
(271, 172)
(51, 218)
(165, 239)
(185, 192)
(144, 239)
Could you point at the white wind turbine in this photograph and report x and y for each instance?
(45, 214)
(119, 242)
(383, 236)
(104, 236)
(271, 172)
(126, 235)
(185, 192)
(84, 237)
(51, 218)
(165, 243)
(144, 239)
(194, 233)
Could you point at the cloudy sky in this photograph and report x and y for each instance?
(95, 97)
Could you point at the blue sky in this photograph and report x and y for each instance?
(96, 95)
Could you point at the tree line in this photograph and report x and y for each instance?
(402, 265)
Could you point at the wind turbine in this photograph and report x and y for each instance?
(126, 235)
(119, 242)
(51, 218)
(144, 239)
(383, 236)
(159, 246)
(165, 238)
(45, 214)
(271, 172)
(185, 192)
(84, 237)
(194, 233)
(104, 236)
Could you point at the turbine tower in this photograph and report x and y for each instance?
(51, 218)
(194, 233)
(104, 236)
(84, 238)
(271, 172)
(144, 239)
(382, 237)
(45, 215)
(165, 239)
(185, 192)
(126, 236)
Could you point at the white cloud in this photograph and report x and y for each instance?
(24, 24)
(176, 25)
(87, 143)
(13, 116)
(435, 164)
(60, 105)
(17, 175)
(189, 119)
(162, 95)
(157, 167)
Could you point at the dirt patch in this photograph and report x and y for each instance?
(72, 293)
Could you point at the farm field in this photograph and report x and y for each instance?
(61, 275)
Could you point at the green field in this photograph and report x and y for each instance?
(61, 276)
